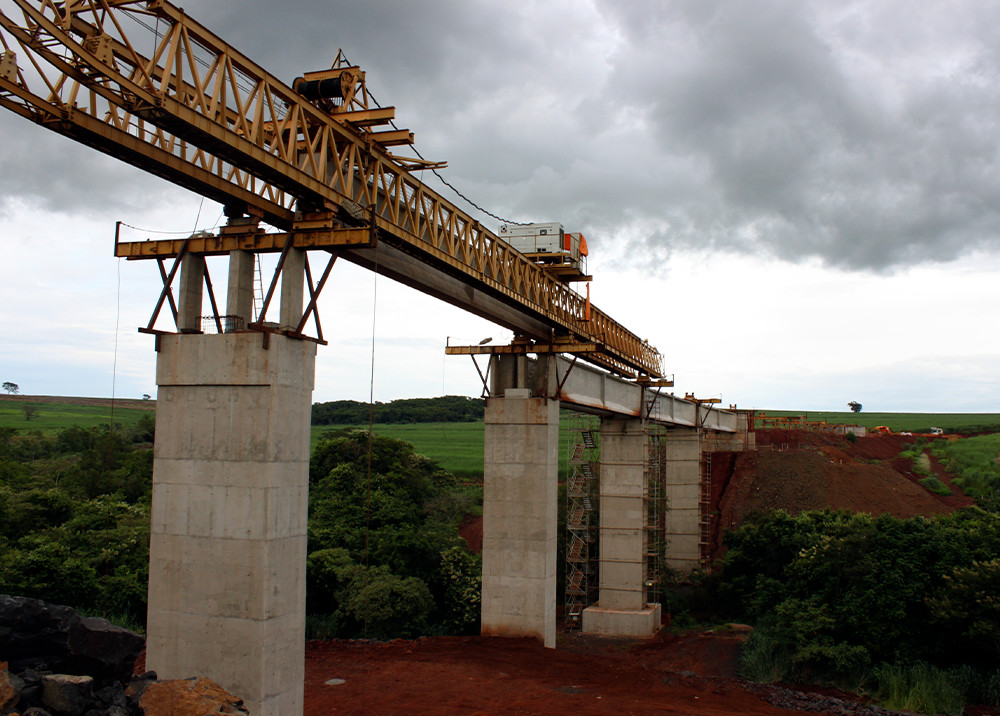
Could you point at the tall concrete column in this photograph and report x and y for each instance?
(520, 520)
(239, 296)
(683, 490)
(622, 607)
(190, 292)
(292, 287)
(228, 537)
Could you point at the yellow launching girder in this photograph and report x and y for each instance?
(202, 115)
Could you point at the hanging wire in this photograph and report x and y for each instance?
(154, 231)
(114, 362)
(437, 173)
(110, 456)
(197, 216)
(371, 432)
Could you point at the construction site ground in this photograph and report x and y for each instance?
(692, 673)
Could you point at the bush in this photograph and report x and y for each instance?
(834, 592)
(933, 484)
(765, 656)
(918, 687)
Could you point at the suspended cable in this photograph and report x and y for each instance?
(437, 173)
(371, 432)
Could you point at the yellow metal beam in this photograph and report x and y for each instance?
(245, 241)
(524, 349)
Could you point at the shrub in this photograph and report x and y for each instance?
(918, 687)
(765, 657)
(933, 484)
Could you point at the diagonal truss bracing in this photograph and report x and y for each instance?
(195, 111)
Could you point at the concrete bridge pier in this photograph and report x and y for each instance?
(683, 490)
(520, 500)
(622, 606)
(230, 493)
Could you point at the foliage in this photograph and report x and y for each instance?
(933, 484)
(834, 592)
(448, 408)
(461, 593)
(974, 463)
(74, 518)
(967, 605)
(11, 388)
(385, 556)
(919, 688)
(381, 605)
(383, 540)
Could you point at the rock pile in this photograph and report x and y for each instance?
(55, 663)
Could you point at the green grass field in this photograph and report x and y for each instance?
(898, 422)
(52, 417)
(458, 447)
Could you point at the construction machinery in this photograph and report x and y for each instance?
(317, 159)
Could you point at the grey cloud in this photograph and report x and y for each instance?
(862, 134)
(807, 154)
(59, 175)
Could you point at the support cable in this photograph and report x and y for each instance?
(436, 172)
(371, 430)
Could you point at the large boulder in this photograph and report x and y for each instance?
(10, 688)
(188, 697)
(35, 634)
(66, 694)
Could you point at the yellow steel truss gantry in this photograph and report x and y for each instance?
(202, 115)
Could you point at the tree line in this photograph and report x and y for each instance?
(445, 409)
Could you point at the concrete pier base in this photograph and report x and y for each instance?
(520, 516)
(230, 494)
(621, 622)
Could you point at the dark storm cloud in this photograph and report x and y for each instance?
(863, 134)
(820, 138)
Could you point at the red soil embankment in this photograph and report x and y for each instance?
(797, 470)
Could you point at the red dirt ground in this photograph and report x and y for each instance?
(481, 675)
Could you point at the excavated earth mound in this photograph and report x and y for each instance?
(798, 470)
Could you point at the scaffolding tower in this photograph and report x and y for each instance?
(581, 522)
(655, 509)
(705, 511)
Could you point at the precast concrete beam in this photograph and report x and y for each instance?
(228, 527)
(590, 389)
(520, 475)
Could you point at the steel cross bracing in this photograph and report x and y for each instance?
(204, 116)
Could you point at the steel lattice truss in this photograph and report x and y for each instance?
(143, 82)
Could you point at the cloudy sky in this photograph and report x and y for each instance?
(797, 202)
